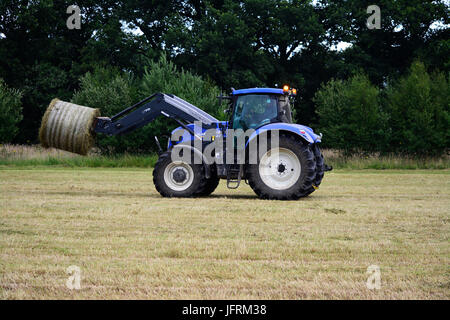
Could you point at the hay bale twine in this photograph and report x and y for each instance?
(68, 126)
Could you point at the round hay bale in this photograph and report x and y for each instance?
(68, 126)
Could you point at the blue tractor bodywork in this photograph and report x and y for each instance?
(302, 131)
(254, 111)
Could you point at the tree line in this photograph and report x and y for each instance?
(238, 44)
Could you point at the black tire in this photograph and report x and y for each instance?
(304, 182)
(320, 165)
(320, 170)
(198, 183)
(210, 186)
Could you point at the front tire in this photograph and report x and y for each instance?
(210, 186)
(177, 178)
(284, 173)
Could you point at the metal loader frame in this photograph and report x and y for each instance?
(147, 110)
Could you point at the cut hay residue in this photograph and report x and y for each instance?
(68, 126)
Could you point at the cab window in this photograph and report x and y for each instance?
(254, 110)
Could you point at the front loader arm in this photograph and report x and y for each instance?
(149, 109)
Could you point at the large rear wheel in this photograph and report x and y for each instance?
(283, 173)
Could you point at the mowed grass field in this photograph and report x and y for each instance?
(130, 243)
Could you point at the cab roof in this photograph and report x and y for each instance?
(258, 90)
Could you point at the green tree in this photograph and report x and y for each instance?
(111, 91)
(350, 115)
(420, 112)
(221, 45)
(259, 43)
(43, 82)
(42, 57)
(164, 76)
(406, 33)
(10, 112)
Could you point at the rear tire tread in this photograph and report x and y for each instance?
(320, 170)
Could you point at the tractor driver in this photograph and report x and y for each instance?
(258, 110)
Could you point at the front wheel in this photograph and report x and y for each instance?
(283, 173)
(177, 178)
(210, 186)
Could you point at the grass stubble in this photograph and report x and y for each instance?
(34, 155)
(130, 243)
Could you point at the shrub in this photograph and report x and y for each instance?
(10, 112)
(350, 115)
(164, 76)
(419, 112)
(42, 83)
(111, 91)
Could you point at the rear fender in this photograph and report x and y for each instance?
(306, 133)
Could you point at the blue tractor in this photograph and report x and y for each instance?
(289, 169)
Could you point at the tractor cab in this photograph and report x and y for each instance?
(256, 107)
